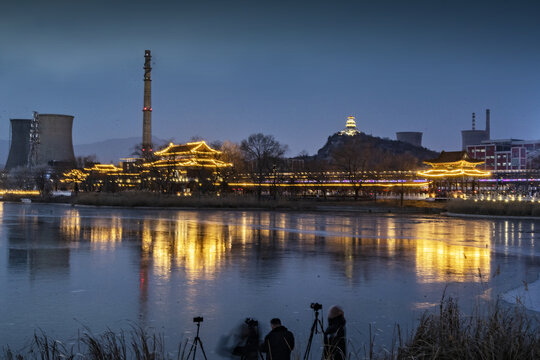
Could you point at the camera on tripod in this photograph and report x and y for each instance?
(251, 322)
(198, 319)
(315, 306)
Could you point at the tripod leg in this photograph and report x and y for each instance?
(192, 349)
(308, 347)
(202, 349)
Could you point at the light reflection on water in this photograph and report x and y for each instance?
(104, 266)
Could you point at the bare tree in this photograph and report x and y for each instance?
(352, 158)
(264, 153)
(86, 161)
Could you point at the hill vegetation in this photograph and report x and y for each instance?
(373, 153)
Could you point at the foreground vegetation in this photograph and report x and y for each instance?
(511, 208)
(497, 333)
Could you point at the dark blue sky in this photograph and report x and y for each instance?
(227, 69)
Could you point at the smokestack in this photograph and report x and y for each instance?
(147, 107)
(488, 125)
(473, 121)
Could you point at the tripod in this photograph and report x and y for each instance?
(315, 329)
(196, 341)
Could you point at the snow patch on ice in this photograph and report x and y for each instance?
(527, 295)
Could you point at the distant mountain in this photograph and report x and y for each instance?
(112, 150)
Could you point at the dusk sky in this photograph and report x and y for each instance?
(223, 70)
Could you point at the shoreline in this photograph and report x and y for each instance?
(159, 201)
(487, 216)
(163, 202)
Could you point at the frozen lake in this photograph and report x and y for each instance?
(63, 268)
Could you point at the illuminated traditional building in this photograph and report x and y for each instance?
(194, 155)
(170, 170)
(452, 164)
(109, 177)
(350, 127)
(194, 164)
(455, 171)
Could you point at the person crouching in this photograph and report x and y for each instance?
(335, 338)
(279, 342)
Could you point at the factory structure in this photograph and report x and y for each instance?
(147, 106)
(44, 140)
(474, 136)
(499, 154)
(410, 137)
(178, 168)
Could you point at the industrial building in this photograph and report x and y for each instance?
(505, 154)
(55, 146)
(20, 143)
(473, 137)
(44, 140)
(410, 137)
(500, 154)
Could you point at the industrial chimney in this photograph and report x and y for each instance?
(473, 137)
(147, 107)
(488, 124)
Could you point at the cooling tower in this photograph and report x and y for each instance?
(472, 137)
(55, 141)
(20, 143)
(410, 137)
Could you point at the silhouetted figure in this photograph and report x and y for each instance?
(248, 349)
(279, 342)
(335, 337)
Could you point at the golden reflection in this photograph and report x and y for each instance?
(106, 232)
(103, 233)
(1, 215)
(442, 252)
(70, 224)
(442, 262)
(198, 248)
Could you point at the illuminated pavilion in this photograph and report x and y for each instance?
(193, 155)
(454, 171)
(172, 169)
(350, 127)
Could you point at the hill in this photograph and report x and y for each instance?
(371, 152)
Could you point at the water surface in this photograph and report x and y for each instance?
(63, 268)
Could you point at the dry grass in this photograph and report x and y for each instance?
(500, 334)
(232, 201)
(151, 199)
(136, 344)
(511, 208)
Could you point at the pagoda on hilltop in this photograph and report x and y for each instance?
(350, 127)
